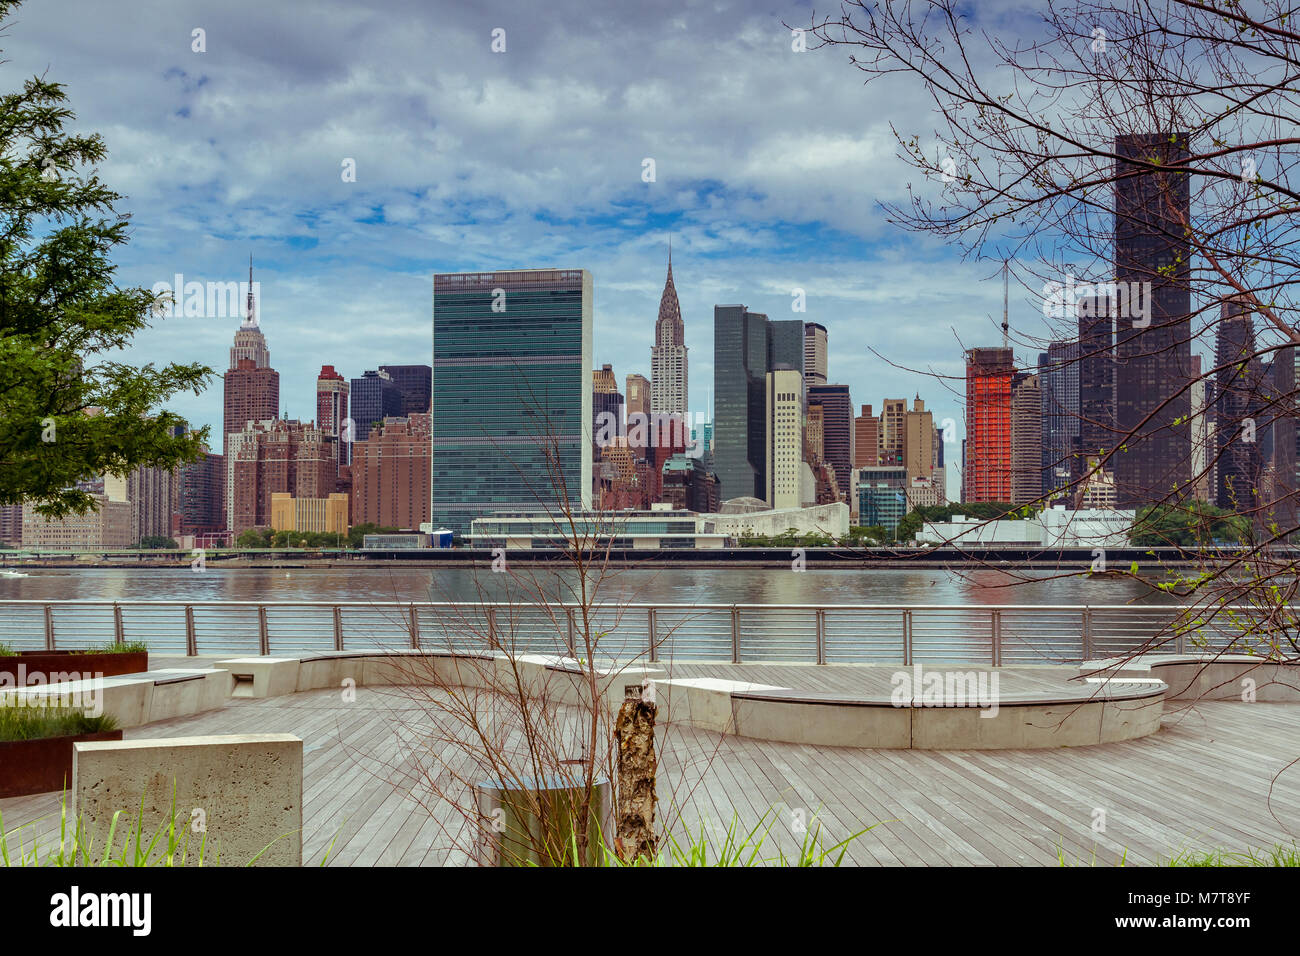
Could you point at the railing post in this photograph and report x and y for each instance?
(338, 628)
(650, 630)
(414, 627)
(1086, 633)
(907, 638)
(263, 635)
(735, 634)
(49, 628)
(570, 632)
(492, 627)
(997, 637)
(119, 632)
(191, 638)
(821, 635)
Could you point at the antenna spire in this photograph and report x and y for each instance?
(1005, 325)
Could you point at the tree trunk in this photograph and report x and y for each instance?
(634, 731)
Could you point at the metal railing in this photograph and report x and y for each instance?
(1003, 634)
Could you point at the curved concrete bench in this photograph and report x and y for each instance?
(1209, 676)
(135, 699)
(1079, 715)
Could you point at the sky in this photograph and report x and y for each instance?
(770, 166)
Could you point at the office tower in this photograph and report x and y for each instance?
(390, 473)
(606, 406)
(637, 394)
(251, 394)
(374, 397)
(511, 393)
(918, 441)
(740, 364)
(1280, 415)
(1152, 343)
(332, 409)
(784, 437)
(866, 439)
(814, 354)
(201, 495)
(1026, 439)
(1058, 382)
(1238, 386)
(250, 343)
(837, 443)
(986, 471)
(152, 496)
(892, 415)
(668, 393)
(688, 485)
(785, 345)
(1201, 450)
(1097, 423)
(414, 384)
(282, 455)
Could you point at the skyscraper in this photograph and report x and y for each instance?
(390, 474)
(668, 394)
(512, 399)
(986, 472)
(918, 442)
(251, 387)
(637, 394)
(414, 384)
(1026, 439)
(784, 437)
(606, 406)
(837, 429)
(893, 414)
(866, 439)
(740, 365)
(374, 396)
(332, 409)
(1239, 384)
(1153, 344)
(814, 354)
(1058, 382)
(252, 394)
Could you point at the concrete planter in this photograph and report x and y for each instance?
(41, 765)
(49, 663)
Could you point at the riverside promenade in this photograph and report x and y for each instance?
(1214, 776)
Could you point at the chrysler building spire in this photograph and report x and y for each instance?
(668, 356)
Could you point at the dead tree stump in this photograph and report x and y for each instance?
(634, 732)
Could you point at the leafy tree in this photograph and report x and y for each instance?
(155, 542)
(67, 411)
(255, 538)
(358, 532)
(1190, 524)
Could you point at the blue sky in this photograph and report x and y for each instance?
(770, 167)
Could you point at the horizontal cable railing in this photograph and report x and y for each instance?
(1000, 635)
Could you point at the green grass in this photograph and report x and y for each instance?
(7, 650)
(130, 647)
(19, 722)
(173, 843)
(1279, 855)
(734, 847)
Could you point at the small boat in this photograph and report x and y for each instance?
(10, 573)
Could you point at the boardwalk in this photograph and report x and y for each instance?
(1203, 782)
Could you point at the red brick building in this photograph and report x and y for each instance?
(390, 473)
(279, 455)
(252, 394)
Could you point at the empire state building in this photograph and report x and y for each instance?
(668, 355)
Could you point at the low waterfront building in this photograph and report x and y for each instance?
(658, 528)
(751, 518)
(397, 542)
(1055, 527)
